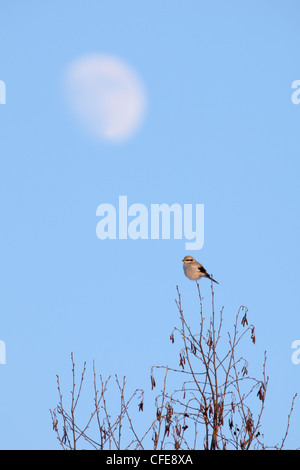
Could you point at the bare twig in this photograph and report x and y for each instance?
(215, 405)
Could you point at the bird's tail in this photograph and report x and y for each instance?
(211, 278)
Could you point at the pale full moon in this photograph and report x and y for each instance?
(106, 95)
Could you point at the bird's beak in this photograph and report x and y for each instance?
(182, 260)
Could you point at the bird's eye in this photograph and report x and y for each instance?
(189, 259)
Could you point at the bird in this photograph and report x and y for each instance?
(194, 270)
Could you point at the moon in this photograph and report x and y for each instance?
(106, 96)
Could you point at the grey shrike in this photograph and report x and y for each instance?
(194, 270)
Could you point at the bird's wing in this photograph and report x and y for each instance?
(202, 269)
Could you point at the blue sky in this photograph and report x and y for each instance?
(220, 129)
